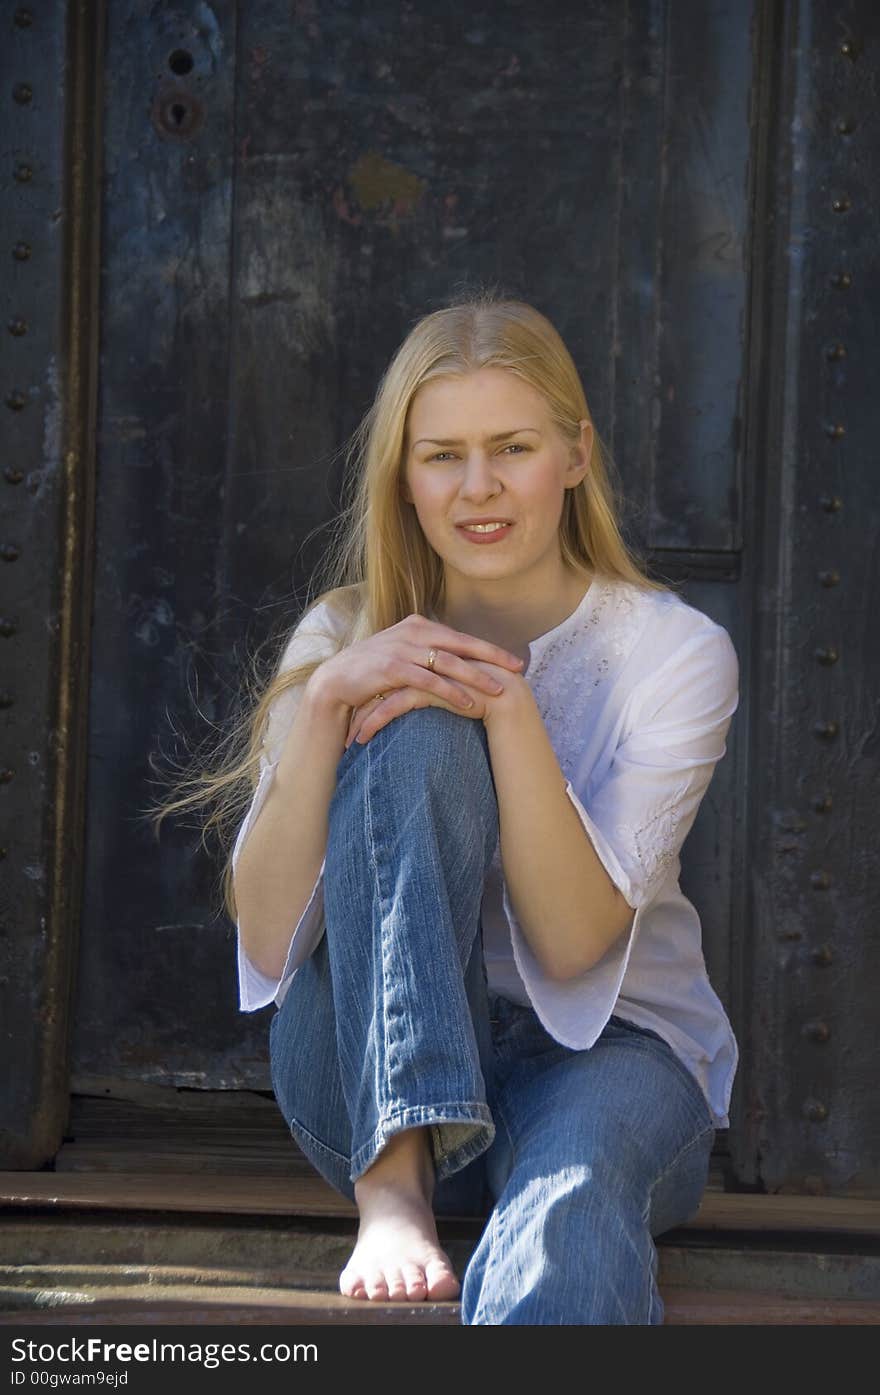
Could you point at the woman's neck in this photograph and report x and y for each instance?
(513, 620)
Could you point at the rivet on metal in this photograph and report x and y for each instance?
(9, 552)
(16, 400)
(829, 578)
(825, 730)
(23, 173)
(835, 430)
(823, 956)
(820, 881)
(17, 326)
(12, 474)
(177, 113)
(835, 351)
(23, 18)
(21, 251)
(816, 1030)
(22, 92)
(845, 126)
(823, 804)
(842, 280)
(842, 204)
(828, 655)
(850, 49)
(815, 1111)
(831, 503)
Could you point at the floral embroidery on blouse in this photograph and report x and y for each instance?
(563, 690)
(654, 841)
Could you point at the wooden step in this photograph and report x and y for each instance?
(307, 1308)
(310, 1195)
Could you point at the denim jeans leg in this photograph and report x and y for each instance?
(607, 1148)
(413, 826)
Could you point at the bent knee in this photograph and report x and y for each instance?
(434, 736)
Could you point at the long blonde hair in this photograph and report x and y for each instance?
(379, 567)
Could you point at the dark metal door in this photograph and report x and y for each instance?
(683, 188)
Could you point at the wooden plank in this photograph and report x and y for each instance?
(312, 1196)
(683, 1307)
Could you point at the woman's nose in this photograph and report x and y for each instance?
(479, 477)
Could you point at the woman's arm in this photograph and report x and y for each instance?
(569, 909)
(283, 852)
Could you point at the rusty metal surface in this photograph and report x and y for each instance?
(50, 61)
(808, 1108)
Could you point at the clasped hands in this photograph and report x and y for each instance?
(470, 676)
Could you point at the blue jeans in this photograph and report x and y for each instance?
(577, 1158)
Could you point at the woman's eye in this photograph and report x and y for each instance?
(513, 445)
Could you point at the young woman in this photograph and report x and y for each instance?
(479, 757)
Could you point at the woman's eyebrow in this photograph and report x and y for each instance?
(499, 436)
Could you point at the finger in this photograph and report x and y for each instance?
(424, 679)
(404, 700)
(472, 647)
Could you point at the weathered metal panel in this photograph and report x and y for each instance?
(680, 268)
(809, 955)
(49, 178)
(154, 990)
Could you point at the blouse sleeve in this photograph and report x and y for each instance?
(255, 988)
(644, 806)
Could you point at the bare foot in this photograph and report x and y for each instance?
(398, 1254)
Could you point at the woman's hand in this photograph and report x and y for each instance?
(466, 675)
(372, 716)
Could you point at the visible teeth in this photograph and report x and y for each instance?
(484, 527)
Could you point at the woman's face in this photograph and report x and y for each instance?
(482, 446)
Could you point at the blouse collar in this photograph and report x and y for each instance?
(584, 608)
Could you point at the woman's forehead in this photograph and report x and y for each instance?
(494, 390)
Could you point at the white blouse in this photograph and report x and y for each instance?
(637, 690)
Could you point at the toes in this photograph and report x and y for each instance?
(351, 1285)
(374, 1282)
(416, 1283)
(396, 1284)
(442, 1282)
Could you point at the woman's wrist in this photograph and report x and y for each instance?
(322, 700)
(508, 706)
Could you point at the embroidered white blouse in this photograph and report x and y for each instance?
(637, 690)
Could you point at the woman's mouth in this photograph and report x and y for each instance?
(484, 532)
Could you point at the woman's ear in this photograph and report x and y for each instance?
(581, 454)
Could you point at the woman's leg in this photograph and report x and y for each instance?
(605, 1149)
(380, 1046)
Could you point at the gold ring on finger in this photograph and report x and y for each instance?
(432, 654)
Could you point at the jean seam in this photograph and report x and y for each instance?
(319, 1142)
(700, 1137)
(499, 1212)
(374, 860)
(684, 1071)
